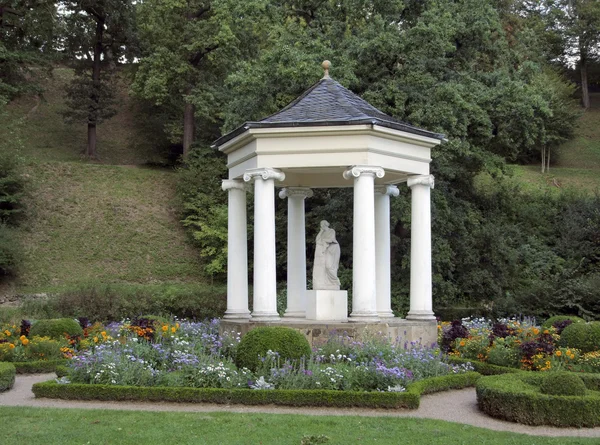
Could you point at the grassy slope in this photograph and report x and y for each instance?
(578, 160)
(96, 221)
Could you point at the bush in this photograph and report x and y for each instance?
(110, 302)
(7, 376)
(409, 399)
(561, 321)
(582, 336)
(10, 251)
(287, 342)
(504, 356)
(38, 367)
(563, 384)
(517, 398)
(56, 328)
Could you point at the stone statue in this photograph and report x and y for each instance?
(327, 260)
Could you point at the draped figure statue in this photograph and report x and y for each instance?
(327, 260)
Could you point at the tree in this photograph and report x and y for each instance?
(98, 34)
(577, 24)
(187, 49)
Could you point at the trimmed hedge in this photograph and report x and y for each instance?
(7, 376)
(550, 322)
(408, 399)
(287, 342)
(482, 367)
(40, 366)
(56, 328)
(517, 398)
(583, 336)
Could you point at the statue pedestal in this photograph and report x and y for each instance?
(327, 305)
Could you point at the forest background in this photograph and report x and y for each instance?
(509, 82)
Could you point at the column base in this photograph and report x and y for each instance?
(420, 315)
(237, 315)
(364, 317)
(295, 314)
(385, 314)
(266, 316)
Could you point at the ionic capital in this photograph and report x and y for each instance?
(264, 174)
(390, 190)
(292, 192)
(427, 180)
(235, 184)
(356, 170)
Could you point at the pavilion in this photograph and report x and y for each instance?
(328, 137)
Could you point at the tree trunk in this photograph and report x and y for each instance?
(189, 128)
(583, 66)
(91, 144)
(543, 159)
(548, 161)
(94, 95)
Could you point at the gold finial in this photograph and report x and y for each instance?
(326, 65)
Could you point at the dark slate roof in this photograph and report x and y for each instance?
(328, 103)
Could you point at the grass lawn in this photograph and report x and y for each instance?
(63, 426)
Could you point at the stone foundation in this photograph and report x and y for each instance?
(317, 332)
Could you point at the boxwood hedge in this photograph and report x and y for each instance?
(482, 367)
(7, 376)
(39, 366)
(517, 398)
(407, 399)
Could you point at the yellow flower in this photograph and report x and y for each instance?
(177, 325)
(103, 333)
(558, 353)
(24, 340)
(22, 337)
(165, 328)
(7, 332)
(546, 331)
(11, 346)
(462, 343)
(173, 329)
(95, 339)
(568, 352)
(536, 331)
(572, 356)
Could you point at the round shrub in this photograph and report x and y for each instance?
(560, 320)
(289, 343)
(583, 336)
(563, 384)
(56, 328)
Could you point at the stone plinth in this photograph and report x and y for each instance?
(317, 332)
(327, 305)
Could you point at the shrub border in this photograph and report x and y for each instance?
(482, 367)
(517, 398)
(7, 375)
(327, 398)
(39, 366)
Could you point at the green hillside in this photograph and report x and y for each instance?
(111, 220)
(577, 161)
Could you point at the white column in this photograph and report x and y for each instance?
(382, 249)
(364, 304)
(265, 280)
(421, 307)
(296, 250)
(237, 251)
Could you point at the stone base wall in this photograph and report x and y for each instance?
(399, 329)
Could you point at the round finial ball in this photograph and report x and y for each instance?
(326, 64)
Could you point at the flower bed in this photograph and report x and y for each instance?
(556, 345)
(306, 397)
(518, 398)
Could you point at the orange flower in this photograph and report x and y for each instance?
(546, 331)
(572, 356)
(536, 331)
(462, 343)
(173, 329)
(165, 328)
(558, 353)
(7, 333)
(11, 346)
(95, 339)
(24, 340)
(103, 334)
